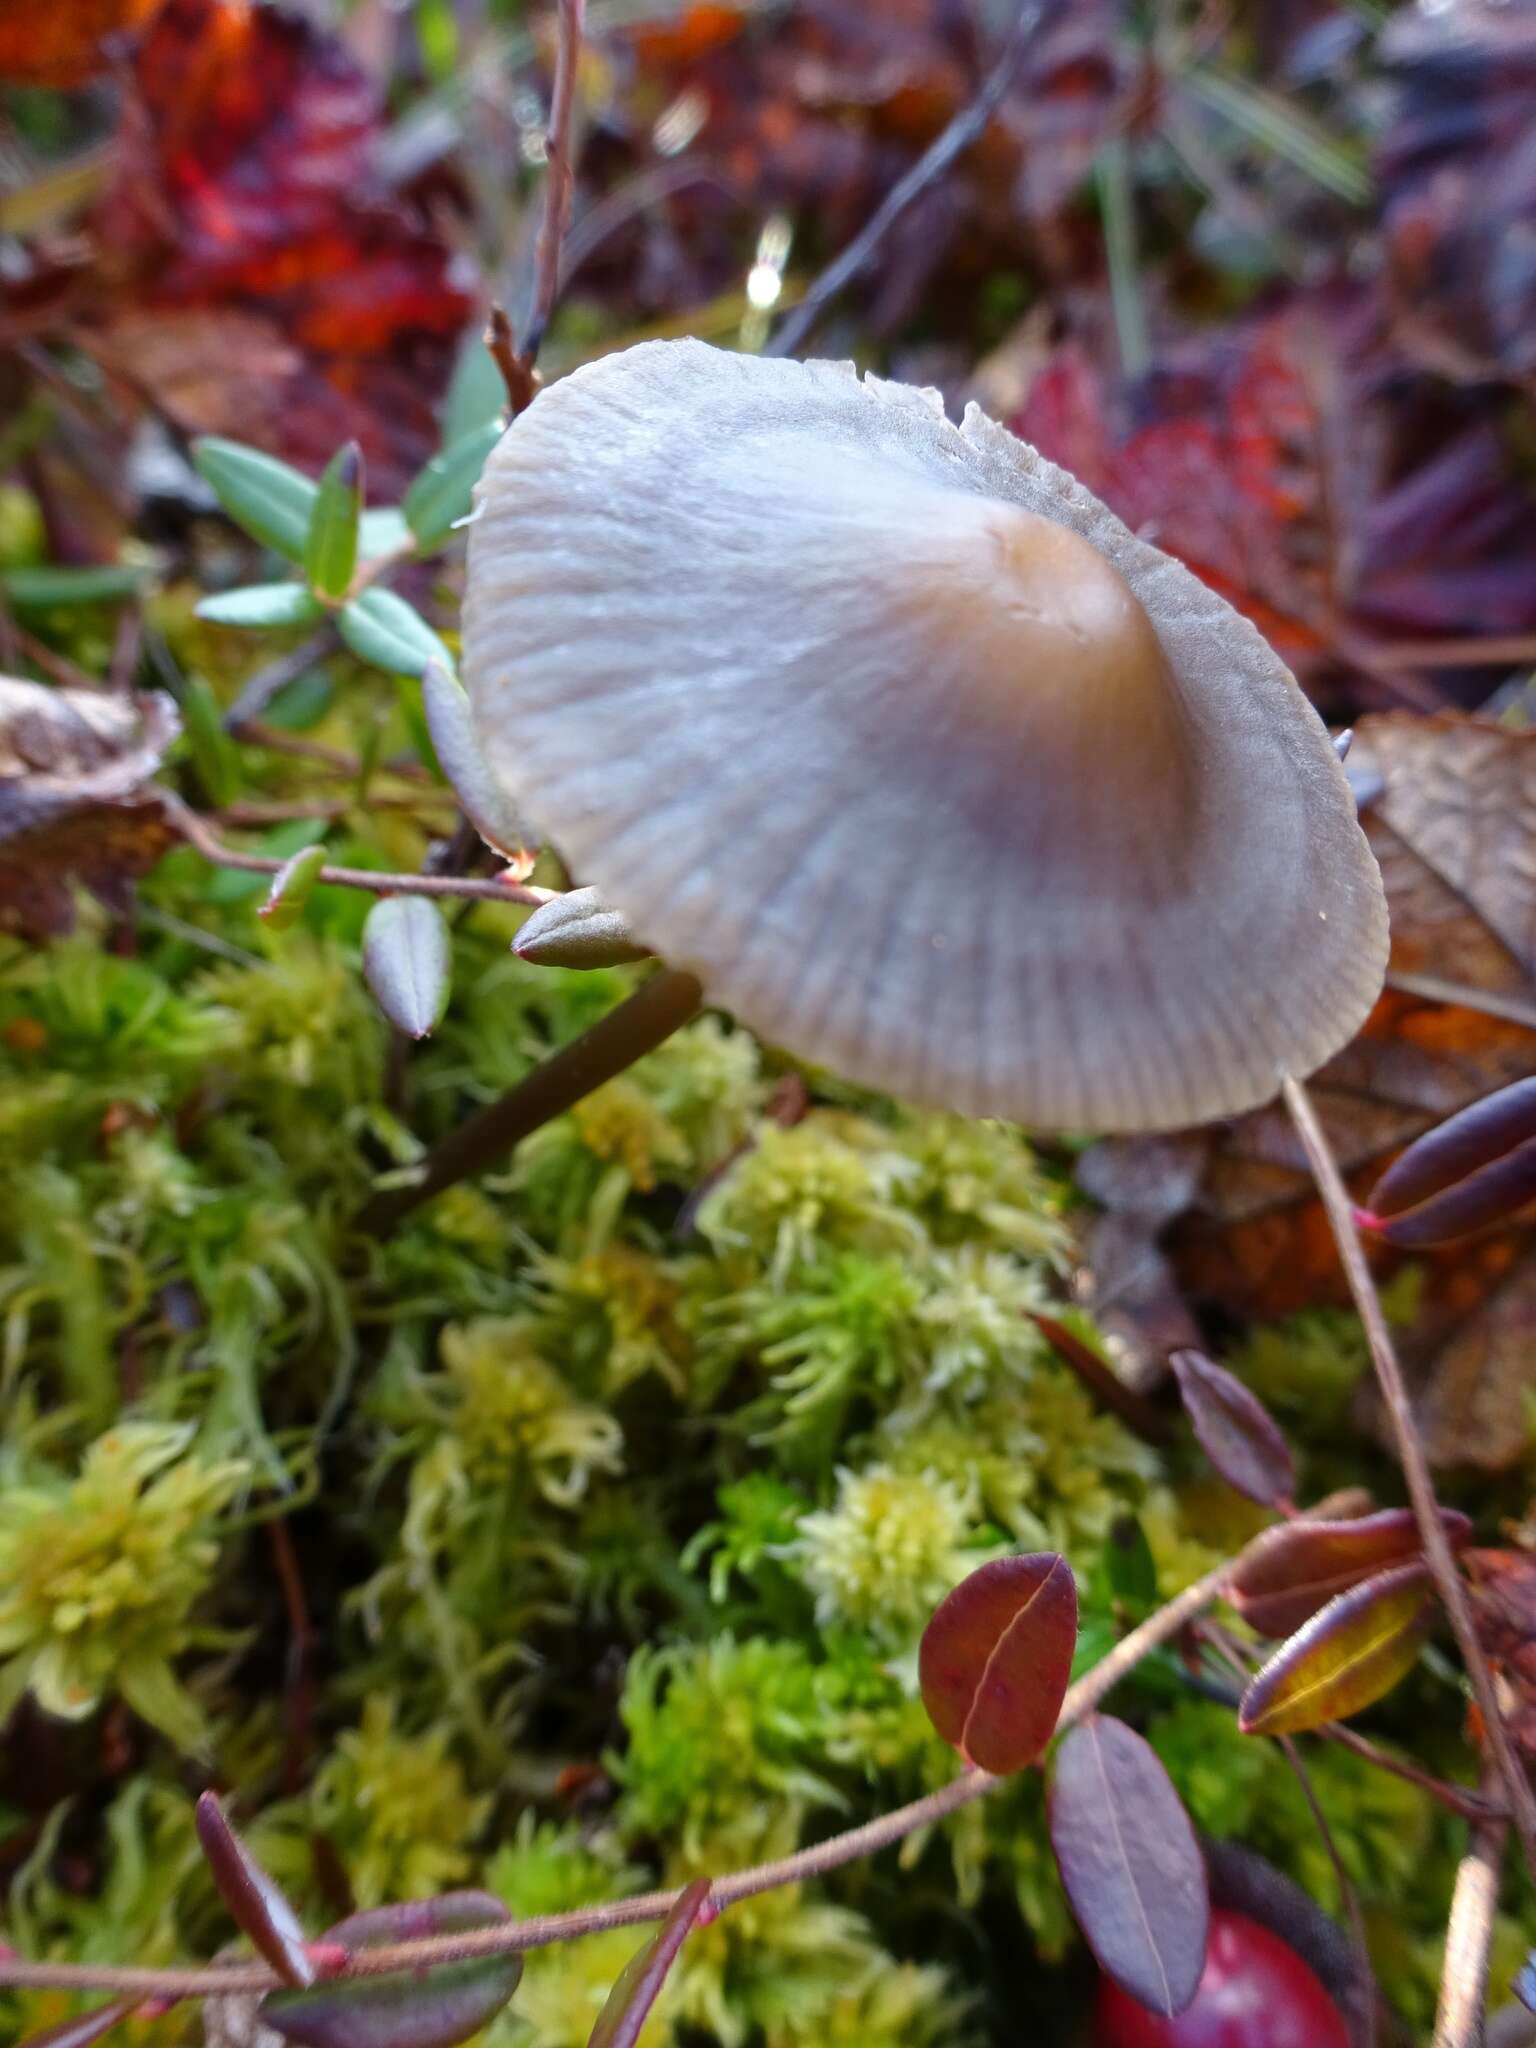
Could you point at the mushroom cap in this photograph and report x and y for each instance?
(898, 739)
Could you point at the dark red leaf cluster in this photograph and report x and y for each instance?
(1297, 467)
(1458, 167)
(253, 274)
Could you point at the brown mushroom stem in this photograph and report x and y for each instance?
(1410, 1450)
(615, 1042)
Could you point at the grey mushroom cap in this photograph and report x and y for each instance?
(930, 769)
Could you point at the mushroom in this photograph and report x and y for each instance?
(902, 743)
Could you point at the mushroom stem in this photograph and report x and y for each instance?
(615, 1042)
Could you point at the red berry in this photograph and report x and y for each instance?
(1256, 1992)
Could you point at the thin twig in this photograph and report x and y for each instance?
(1468, 1937)
(1341, 1877)
(966, 128)
(560, 179)
(1082, 1699)
(639, 1024)
(516, 363)
(1104, 1384)
(196, 833)
(1455, 1799)
(1410, 1450)
(1486, 1002)
(274, 677)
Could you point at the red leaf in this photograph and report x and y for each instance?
(435, 2007)
(256, 277)
(1288, 462)
(1477, 1168)
(1130, 1863)
(255, 1903)
(1292, 1571)
(1235, 1429)
(1349, 1654)
(639, 1984)
(996, 1658)
(66, 44)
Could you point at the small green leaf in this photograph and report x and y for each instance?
(214, 754)
(237, 885)
(486, 804)
(406, 961)
(261, 604)
(382, 628)
(269, 499)
(578, 930)
(292, 887)
(444, 491)
(1129, 1566)
(476, 394)
(383, 531)
(330, 542)
(1343, 1659)
(35, 589)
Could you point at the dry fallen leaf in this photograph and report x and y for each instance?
(253, 273)
(1457, 169)
(1226, 1217)
(1504, 1607)
(76, 801)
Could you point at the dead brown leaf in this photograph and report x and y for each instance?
(1504, 1607)
(1226, 1218)
(76, 801)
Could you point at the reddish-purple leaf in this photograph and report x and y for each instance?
(1235, 1430)
(996, 1658)
(1474, 1169)
(255, 1903)
(83, 2029)
(1346, 1657)
(417, 1920)
(1292, 1571)
(436, 2007)
(639, 1983)
(1130, 1863)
